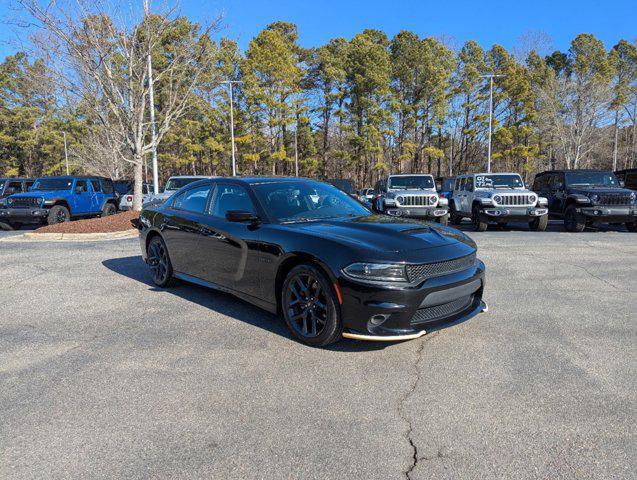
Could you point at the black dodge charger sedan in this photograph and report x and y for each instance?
(309, 252)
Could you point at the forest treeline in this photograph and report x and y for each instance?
(353, 108)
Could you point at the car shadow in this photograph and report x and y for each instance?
(227, 304)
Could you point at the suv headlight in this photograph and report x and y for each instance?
(376, 272)
(400, 199)
(633, 198)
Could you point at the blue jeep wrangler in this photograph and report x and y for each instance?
(60, 199)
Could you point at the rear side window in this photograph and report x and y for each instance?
(470, 184)
(107, 186)
(193, 200)
(631, 181)
(230, 197)
(96, 185)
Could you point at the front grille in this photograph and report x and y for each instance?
(24, 202)
(417, 273)
(613, 199)
(517, 200)
(440, 312)
(418, 200)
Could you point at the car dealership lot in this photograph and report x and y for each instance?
(103, 375)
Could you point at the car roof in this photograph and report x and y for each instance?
(191, 176)
(15, 179)
(410, 174)
(575, 170)
(627, 170)
(71, 177)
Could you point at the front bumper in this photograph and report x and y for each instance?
(417, 212)
(609, 214)
(513, 213)
(24, 215)
(376, 313)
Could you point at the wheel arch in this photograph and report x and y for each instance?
(292, 260)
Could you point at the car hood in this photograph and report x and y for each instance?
(425, 191)
(383, 233)
(500, 191)
(586, 191)
(42, 194)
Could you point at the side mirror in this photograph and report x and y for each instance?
(241, 216)
(622, 184)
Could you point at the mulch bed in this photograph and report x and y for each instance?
(113, 223)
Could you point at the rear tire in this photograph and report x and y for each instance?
(443, 220)
(479, 223)
(631, 226)
(15, 225)
(574, 222)
(58, 214)
(159, 264)
(310, 306)
(539, 224)
(109, 209)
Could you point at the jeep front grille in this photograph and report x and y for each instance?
(440, 312)
(517, 200)
(613, 199)
(418, 200)
(24, 202)
(417, 273)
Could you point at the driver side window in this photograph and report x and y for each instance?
(230, 197)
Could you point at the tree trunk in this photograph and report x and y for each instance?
(616, 127)
(139, 179)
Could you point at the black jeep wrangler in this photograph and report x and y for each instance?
(582, 197)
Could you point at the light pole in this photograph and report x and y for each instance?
(490, 77)
(66, 153)
(234, 163)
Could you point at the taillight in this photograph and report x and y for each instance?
(443, 195)
(129, 198)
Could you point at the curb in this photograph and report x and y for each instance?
(73, 237)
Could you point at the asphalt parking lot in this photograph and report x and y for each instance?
(104, 376)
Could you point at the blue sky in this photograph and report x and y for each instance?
(487, 22)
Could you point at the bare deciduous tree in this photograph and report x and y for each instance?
(101, 50)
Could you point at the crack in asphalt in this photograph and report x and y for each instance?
(401, 406)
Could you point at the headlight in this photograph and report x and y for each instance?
(443, 202)
(400, 199)
(376, 272)
(594, 198)
(633, 197)
(497, 198)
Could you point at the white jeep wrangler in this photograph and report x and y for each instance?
(496, 198)
(412, 195)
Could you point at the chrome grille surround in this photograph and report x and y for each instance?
(408, 200)
(420, 272)
(516, 199)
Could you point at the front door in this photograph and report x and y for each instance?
(231, 248)
(81, 204)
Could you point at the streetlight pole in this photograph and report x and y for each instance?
(66, 153)
(490, 77)
(234, 162)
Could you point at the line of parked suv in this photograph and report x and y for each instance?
(578, 197)
(50, 200)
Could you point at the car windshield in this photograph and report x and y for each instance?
(591, 179)
(499, 181)
(53, 184)
(411, 182)
(303, 201)
(177, 183)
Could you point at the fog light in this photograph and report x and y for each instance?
(378, 319)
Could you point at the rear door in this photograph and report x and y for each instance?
(96, 195)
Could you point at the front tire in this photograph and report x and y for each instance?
(159, 264)
(109, 209)
(539, 224)
(58, 214)
(574, 222)
(479, 223)
(310, 306)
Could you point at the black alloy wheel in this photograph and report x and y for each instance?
(309, 306)
(479, 223)
(58, 214)
(109, 209)
(159, 264)
(539, 224)
(573, 222)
